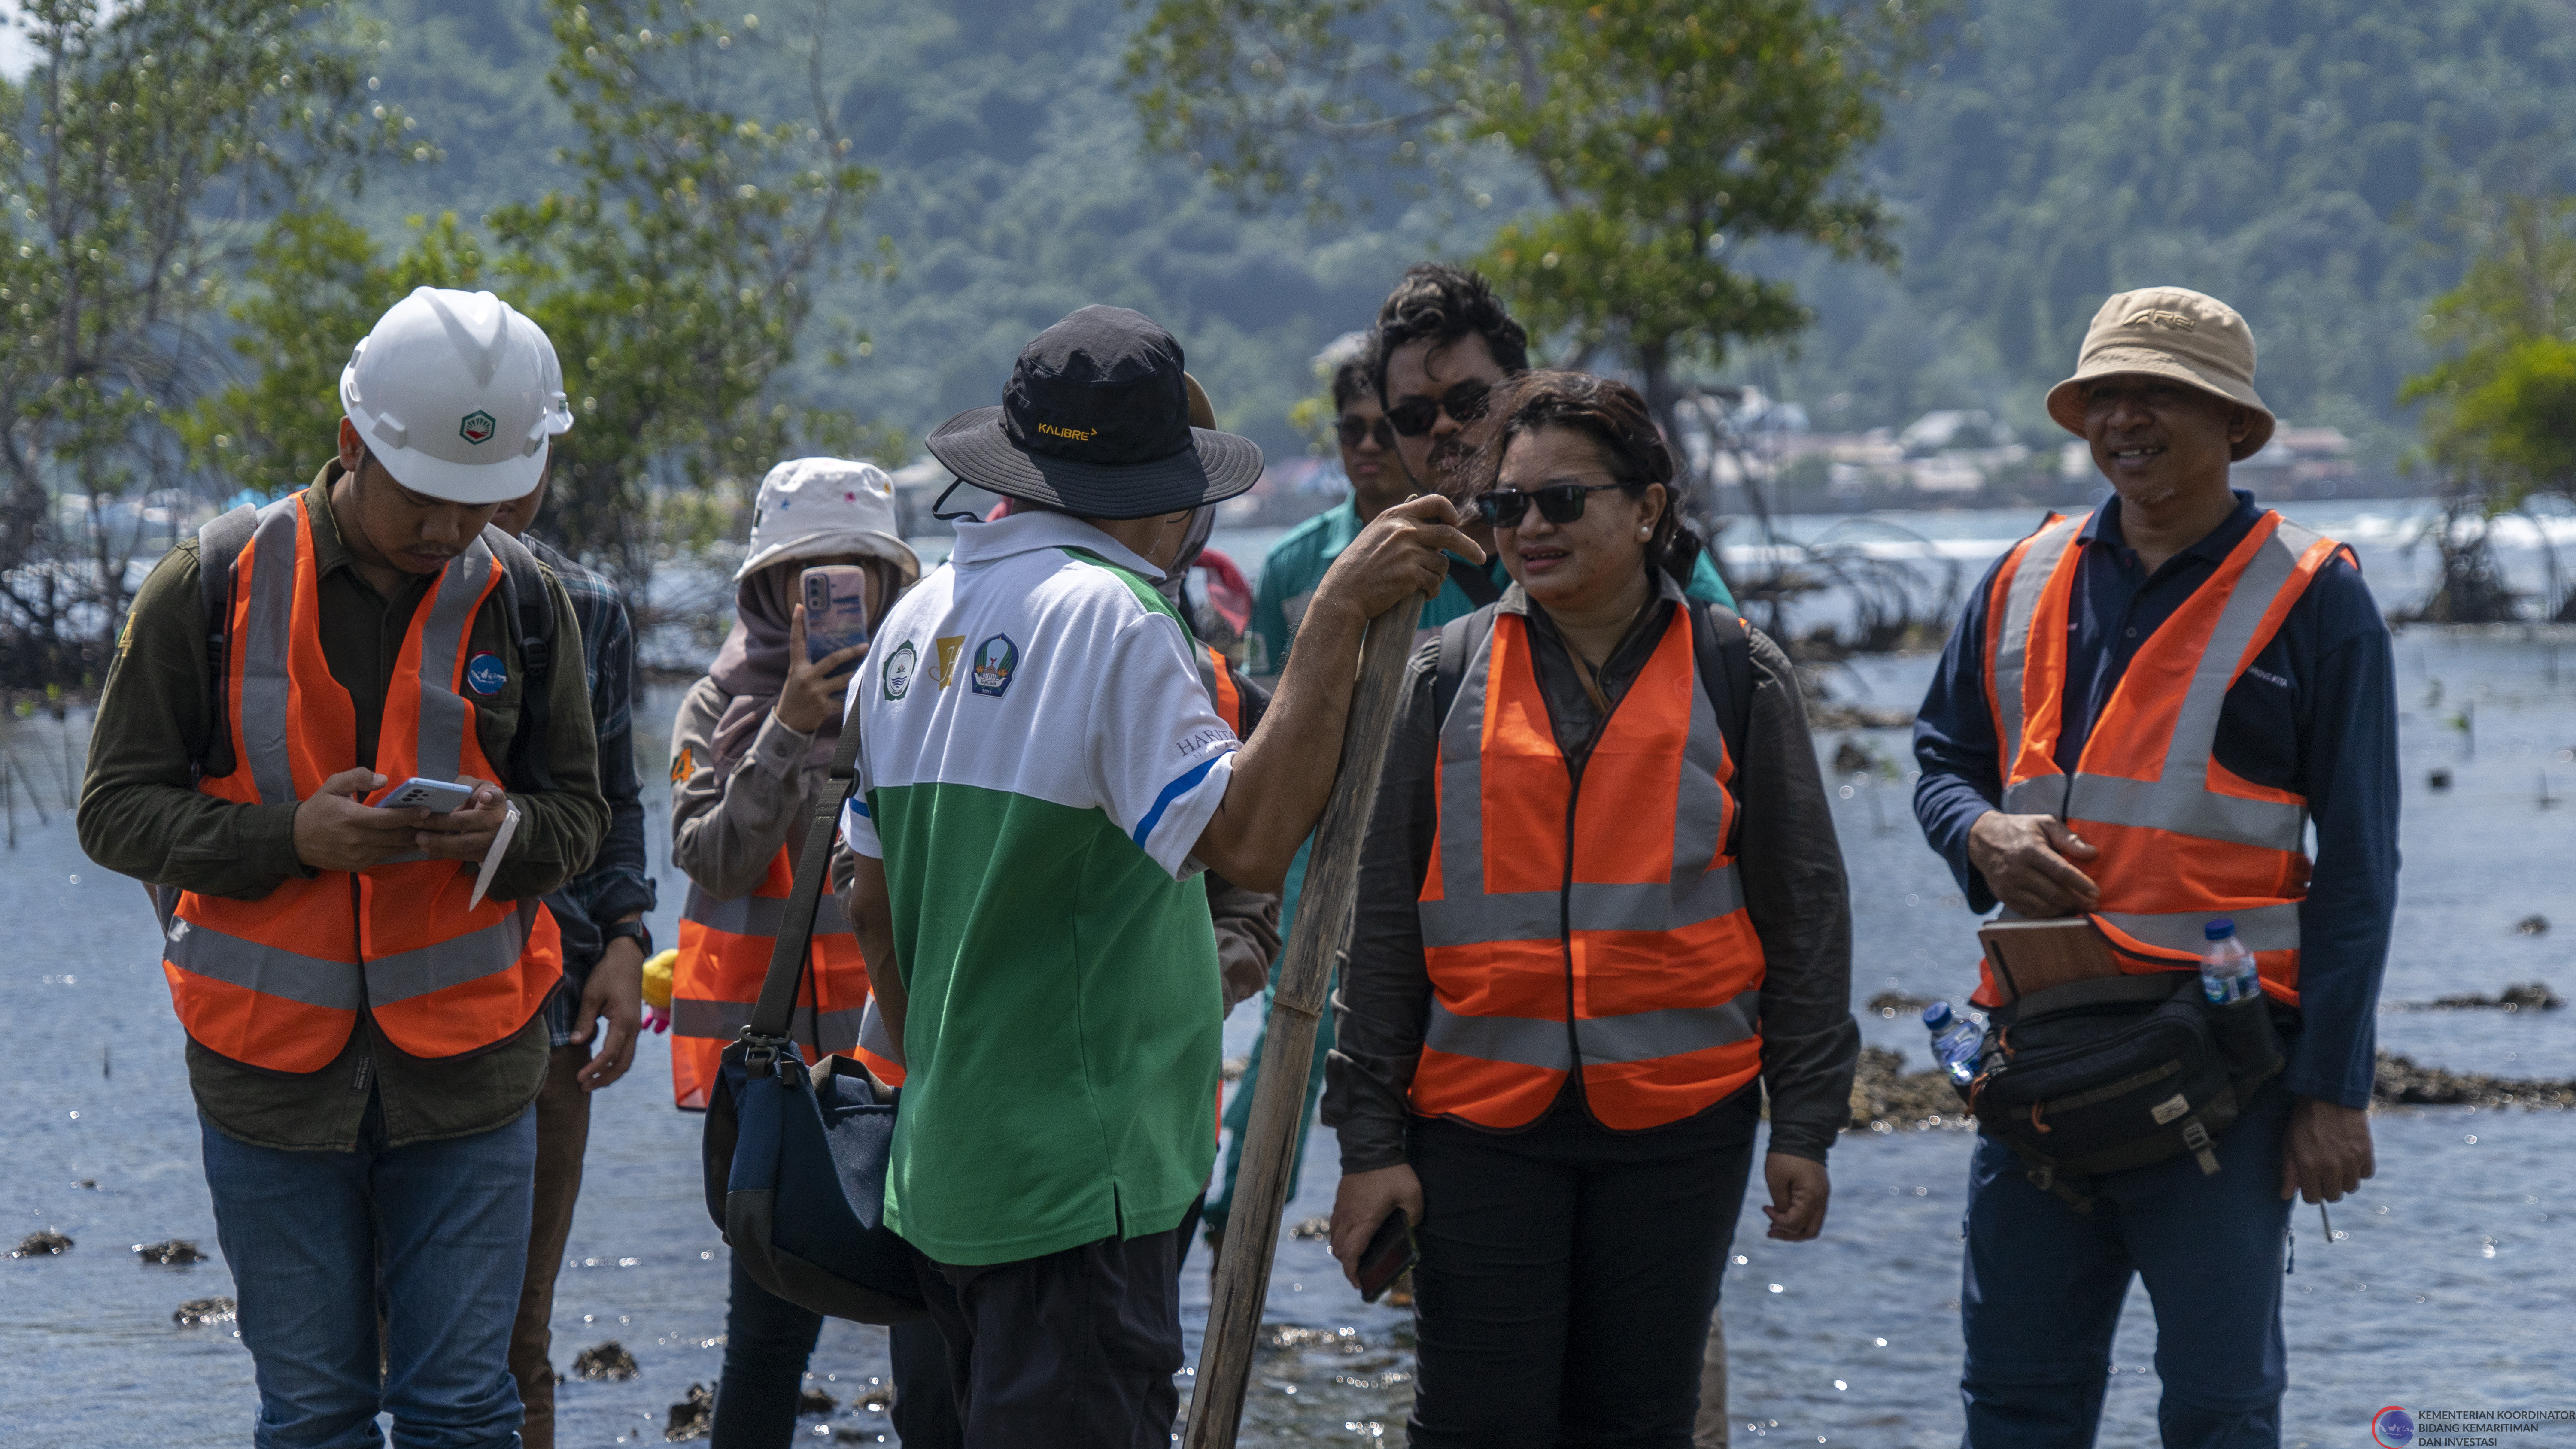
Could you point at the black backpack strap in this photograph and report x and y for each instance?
(1456, 636)
(530, 607)
(219, 546)
(1724, 651)
(1476, 582)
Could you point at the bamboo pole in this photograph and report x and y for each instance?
(1242, 1283)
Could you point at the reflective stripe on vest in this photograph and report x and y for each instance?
(2183, 840)
(278, 982)
(1587, 921)
(725, 946)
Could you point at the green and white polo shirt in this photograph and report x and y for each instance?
(1039, 758)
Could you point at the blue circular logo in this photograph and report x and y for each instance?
(2392, 1427)
(484, 674)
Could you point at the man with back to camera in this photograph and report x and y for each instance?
(363, 1042)
(2182, 636)
(1032, 931)
(600, 914)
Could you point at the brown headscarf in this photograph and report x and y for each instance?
(751, 668)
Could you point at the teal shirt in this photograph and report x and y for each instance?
(1296, 564)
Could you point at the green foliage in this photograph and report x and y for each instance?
(314, 287)
(1661, 134)
(2501, 403)
(2297, 158)
(130, 154)
(675, 275)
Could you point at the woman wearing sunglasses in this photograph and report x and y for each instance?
(1601, 912)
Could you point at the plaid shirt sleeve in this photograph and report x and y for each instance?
(618, 881)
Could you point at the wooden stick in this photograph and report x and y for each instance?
(1242, 1283)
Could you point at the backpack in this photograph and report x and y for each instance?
(524, 595)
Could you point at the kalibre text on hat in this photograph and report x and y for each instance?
(2170, 332)
(1096, 421)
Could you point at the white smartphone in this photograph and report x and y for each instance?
(438, 797)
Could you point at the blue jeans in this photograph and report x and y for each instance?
(2044, 1286)
(439, 1229)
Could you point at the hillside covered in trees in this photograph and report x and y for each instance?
(2309, 160)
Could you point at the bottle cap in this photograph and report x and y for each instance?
(2219, 930)
(1937, 1013)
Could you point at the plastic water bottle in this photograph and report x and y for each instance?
(1954, 1041)
(2227, 970)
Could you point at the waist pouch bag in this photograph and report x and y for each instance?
(2106, 1075)
(795, 1157)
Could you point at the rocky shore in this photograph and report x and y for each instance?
(1886, 1098)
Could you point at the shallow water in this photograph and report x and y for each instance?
(2450, 1286)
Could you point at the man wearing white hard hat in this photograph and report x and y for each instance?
(347, 742)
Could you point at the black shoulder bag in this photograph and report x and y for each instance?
(795, 1156)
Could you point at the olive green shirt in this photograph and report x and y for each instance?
(142, 815)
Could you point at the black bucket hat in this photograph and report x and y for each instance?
(1096, 422)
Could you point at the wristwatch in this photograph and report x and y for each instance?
(636, 931)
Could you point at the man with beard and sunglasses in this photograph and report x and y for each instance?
(1442, 344)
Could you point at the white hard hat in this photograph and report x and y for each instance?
(824, 508)
(457, 395)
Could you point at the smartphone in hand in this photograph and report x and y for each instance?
(836, 608)
(1386, 1257)
(438, 797)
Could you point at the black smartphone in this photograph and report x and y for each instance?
(1387, 1256)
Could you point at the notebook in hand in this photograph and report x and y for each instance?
(2031, 956)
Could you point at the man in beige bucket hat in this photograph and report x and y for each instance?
(2080, 761)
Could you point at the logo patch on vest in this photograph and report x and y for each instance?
(898, 670)
(484, 674)
(477, 427)
(996, 659)
(945, 668)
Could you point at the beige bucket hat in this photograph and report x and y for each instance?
(2168, 332)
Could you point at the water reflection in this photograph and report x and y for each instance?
(2447, 1282)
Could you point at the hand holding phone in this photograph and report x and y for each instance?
(836, 608)
(438, 797)
(1386, 1257)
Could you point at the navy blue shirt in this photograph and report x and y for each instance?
(2315, 714)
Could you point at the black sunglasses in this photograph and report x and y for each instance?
(1414, 416)
(1557, 503)
(1353, 430)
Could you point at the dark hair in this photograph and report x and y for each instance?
(1440, 303)
(1354, 378)
(1612, 415)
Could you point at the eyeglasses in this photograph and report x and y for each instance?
(1557, 502)
(1353, 430)
(1414, 416)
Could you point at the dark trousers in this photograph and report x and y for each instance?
(768, 1341)
(563, 1134)
(1076, 1349)
(2044, 1286)
(1567, 1274)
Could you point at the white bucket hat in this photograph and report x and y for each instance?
(824, 508)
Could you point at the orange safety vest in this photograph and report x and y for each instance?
(1217, 676)
(278, 982)
(2183, 839)
(724, 956)
(1590, 918)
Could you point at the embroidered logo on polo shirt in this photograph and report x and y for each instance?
(944, 665)
(996, 659)
(898, 670)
